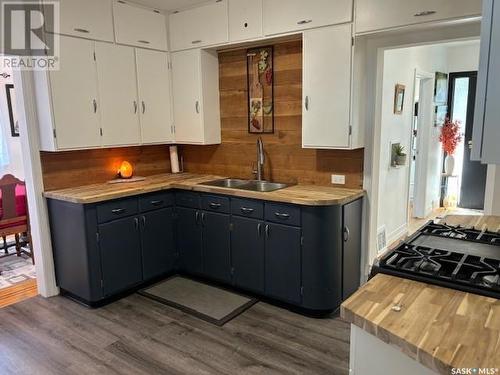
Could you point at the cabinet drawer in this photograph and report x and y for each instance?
(155, 201)
(215, 203)
(116, 209)
(247, 208)
(283, 214)
(187, 199)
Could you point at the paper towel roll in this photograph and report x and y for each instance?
(174, 159)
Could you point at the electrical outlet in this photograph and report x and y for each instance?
(338, 179)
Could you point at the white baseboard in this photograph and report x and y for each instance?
(397, 234)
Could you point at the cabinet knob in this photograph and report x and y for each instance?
(197, 106)
(347, 234)
(135, 106)
(143, 106)
(94, 105)
(306, 103)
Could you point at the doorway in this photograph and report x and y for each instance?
(469, 182)
(17, 268)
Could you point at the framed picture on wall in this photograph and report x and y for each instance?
(441, 88)
(399, 99)
(440, 112)
(260, 83)
(11, 104)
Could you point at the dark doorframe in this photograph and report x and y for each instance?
(473, 179)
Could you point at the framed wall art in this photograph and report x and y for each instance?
(260, 83)
(11, 104)
(399, 98)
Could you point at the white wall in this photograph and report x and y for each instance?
(13, 143)
(399, 68)
(492, 195)
(464, 57)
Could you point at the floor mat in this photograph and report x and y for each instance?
(213, 304)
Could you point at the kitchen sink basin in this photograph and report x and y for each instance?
(226, 182)
(252, 185)
(262, 186)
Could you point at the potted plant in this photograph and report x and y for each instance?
(450, 137)
(399, 155)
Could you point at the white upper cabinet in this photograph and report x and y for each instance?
(140, 27)
(327, 88)
(119, 106)
(201, 26)
(283, 16)
(374, 15)
(153, 84)
(90, 19)
(74, 99)
(245, 19)
(195, 82)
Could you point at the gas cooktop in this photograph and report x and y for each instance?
(454, 257)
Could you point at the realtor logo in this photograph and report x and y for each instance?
(25, 42)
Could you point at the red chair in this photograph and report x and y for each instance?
(14, 218)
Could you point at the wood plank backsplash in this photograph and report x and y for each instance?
(76, 168)
(286, 161)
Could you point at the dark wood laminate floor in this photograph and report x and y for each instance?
(138, 336)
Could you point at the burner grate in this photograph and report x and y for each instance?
(447, 231)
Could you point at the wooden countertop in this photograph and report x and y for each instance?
(439, 327)
(310, 195)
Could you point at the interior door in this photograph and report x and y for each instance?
(74, 95)
(155, 102)
(116, 74)
(327, 87)
(462, 99)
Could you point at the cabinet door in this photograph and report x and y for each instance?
(216, 246)
(158, 249)
(155, 102)
(74, 95)
(120, 248)
(186, 84)
(282, 16)
(283, 262)
(247, 249)
(490, 152)
(201, 26)
(140, 27)
(245, 19)
(189, 240)
(119, 108)
(372, 15)
(351, 269)
(327, 87)
(91, 19)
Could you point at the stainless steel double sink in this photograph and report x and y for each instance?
(252, 185)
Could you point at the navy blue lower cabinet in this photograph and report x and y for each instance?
(216, 246)
(158, 246)
(283, 262)
(189, 240)
(120, 247)
(247, 247)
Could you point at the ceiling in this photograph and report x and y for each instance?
(169, 5)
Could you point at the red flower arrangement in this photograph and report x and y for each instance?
(450, 136)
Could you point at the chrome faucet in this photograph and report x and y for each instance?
(260, 160)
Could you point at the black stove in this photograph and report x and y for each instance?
(454, 257)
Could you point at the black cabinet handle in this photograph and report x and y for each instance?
(246, 210)
(214, 205)
(197, 217)
(202, 218)
(156, 203)
(282, 216)
(118, 211)
(136, 223)
(267, 230)
(259, 229)
(143, 221)
(347, 234)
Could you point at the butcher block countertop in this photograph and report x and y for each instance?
(439, 327)
(309, 195)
